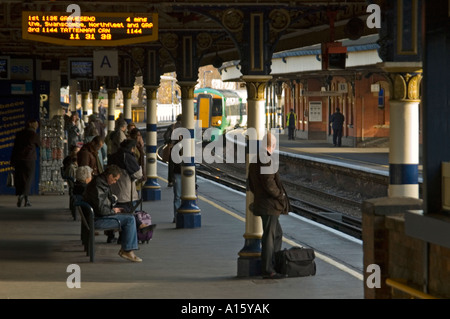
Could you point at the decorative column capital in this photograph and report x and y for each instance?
(405, 78)
(256, 85)
(152, 91)
(187, 89)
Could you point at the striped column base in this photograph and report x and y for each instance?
(188, 220)
(188, 215)
(249, 261)
(151, 190)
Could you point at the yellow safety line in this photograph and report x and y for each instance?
(326, 259)
(292, 243)
(409, 290)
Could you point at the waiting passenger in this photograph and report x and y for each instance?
(337, 121)
(176, 175)
(88, 155)
(270, 200)
(83, 177)
(99, 195)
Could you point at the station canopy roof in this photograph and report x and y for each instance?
(308, 24)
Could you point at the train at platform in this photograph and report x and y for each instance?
(219, 109)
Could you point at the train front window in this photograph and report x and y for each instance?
(216, 109)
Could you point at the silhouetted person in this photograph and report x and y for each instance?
(23, 159)
(337, 122)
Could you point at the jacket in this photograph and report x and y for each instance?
(98, 194)
(288, 122)
(24, 148)
(125, 188)
(88, 156)
(337, 119)
(270, 197)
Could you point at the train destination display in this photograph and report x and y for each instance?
(90, 29)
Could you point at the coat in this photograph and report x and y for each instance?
(291, 120)
(25, 144)
(88, 156)
(270, 197)
(125, 188)
(337, 120)
(98, 194)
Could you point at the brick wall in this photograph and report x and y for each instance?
(399, 256)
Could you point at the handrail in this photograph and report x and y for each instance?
(409, 290)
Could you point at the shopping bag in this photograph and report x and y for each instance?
(10, 179)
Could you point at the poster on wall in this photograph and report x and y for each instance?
(15, 110)
(315, 111)
(4, 68)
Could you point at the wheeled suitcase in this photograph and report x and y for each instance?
(295, 262)
(144, 218)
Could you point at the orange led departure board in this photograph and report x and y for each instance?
(90, 29)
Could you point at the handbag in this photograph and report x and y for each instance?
(167, 149)
(10, 179)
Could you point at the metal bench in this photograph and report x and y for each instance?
(88, 229)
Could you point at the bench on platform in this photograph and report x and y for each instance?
(88, 229)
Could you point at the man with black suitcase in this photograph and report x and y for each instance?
(270, 200)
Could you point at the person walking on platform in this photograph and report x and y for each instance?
(337, 122)
(23, 159)
(98, 194)
(290, 123)
(270, 201)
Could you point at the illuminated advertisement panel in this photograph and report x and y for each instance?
(90, 28)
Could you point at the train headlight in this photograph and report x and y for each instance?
(219, 122)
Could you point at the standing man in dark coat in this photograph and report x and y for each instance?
(270, 200)
(23, 159)
(337, 122)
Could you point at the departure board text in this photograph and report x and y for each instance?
(90, 29)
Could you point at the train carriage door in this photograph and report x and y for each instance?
(204, 102)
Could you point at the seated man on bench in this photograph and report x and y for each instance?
(98, 194)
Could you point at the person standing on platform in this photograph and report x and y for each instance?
(88, 155)
(117, 136)
(337, 122)
(23, 159)
(270, 201)
(169, 144)
(74, 135)
(176, 173)
(290, 123)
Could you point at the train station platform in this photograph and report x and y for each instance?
(38, 243)
(370, 159)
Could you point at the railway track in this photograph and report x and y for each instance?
(319, 213)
